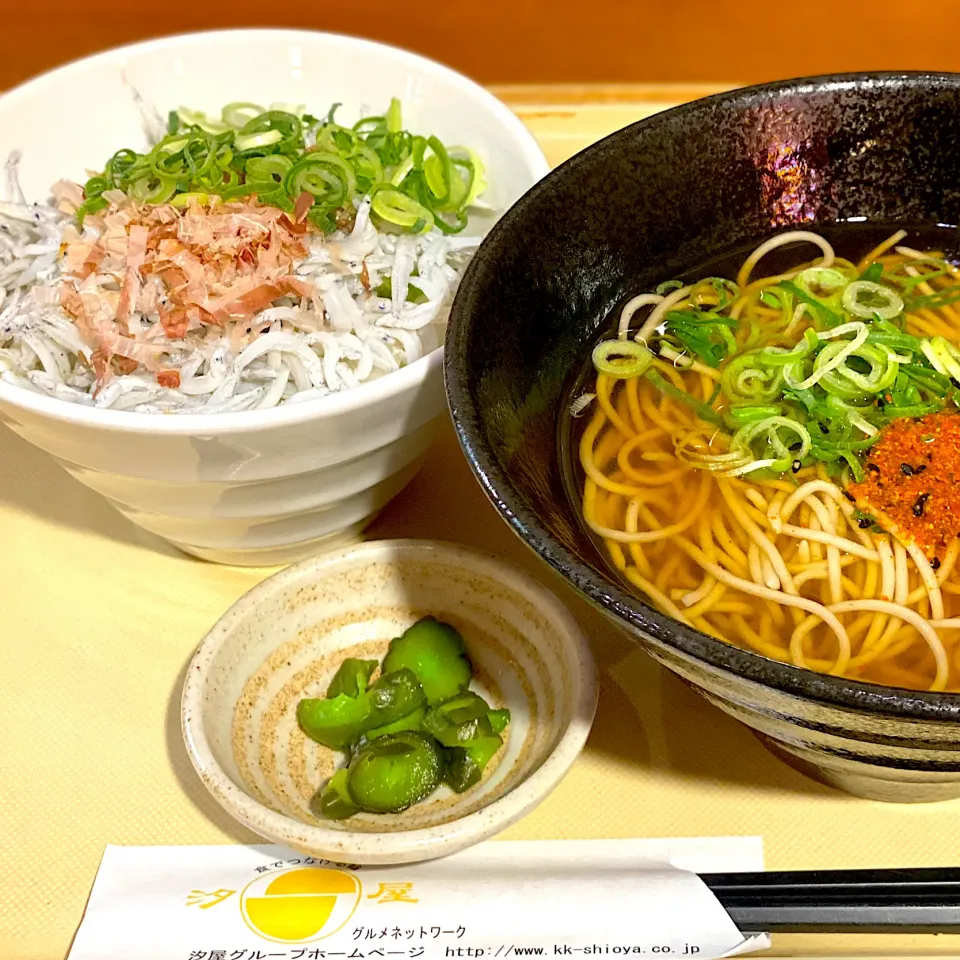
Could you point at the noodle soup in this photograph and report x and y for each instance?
(770, 453)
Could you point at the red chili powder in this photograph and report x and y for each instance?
(912, 481)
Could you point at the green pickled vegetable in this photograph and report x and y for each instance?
(395, 771)
(338, 721)
(416, 727)
(499, 720)
(352, 678)
(461, 708)
(460, 720)
(455, 735)
(334, 801)
(436, 654)
(393, 697)
(412, 721)
(465, 764)
(334, 722)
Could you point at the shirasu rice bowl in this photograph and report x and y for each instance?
(197, 303)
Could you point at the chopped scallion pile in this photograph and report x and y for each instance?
(311, 168)
(815, 384)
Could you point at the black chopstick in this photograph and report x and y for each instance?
(921, 900)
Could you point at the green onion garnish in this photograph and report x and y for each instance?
(622, 359)
(263, 153)
(810, 386)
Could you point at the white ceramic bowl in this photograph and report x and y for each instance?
(286, 638)
(262, 487)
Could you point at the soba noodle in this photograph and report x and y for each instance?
(761, 539)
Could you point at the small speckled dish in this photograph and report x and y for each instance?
(286, 638)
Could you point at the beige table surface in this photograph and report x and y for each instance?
(99, 620)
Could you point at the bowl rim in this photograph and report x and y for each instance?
(369, 393)
(425, 842)
(603, 593)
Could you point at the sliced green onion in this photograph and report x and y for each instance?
(284, 130)
(705, 335)
(768, 298)
(844, 381)
(927, 379)
(366, 163)
(933, 301)
(621, 359)
(665, 386)
(908, 283)
(893, 412)
(394, 120)
(780, 356)
(478, 179)
(461, 186)
(397, 208)
(895, 340)
(745, 413)
(863, 298)
(90, 205)
(166, 159)
(755, 465)
(416, 182)
(849, 446)
(95, 186)
(369, 125)
(943, 356)
(821, 312)
(448, 228)
(152, 190)
(768, 430)
(118, 165)
(274, 167)
(238, 115)
(821, 282)
(854, 466)
(727, 291)
(200, 155)
(438, 172)
(185, 199)
(747, 377)
(326, 175)
(402, 171)
(332, 138)
(196, 118)
(862, 425)
(796, 395)
(272, 194)
(831, 356)
(257, 141)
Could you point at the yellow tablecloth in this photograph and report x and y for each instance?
(98, 622)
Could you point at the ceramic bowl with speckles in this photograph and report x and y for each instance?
(286, 638)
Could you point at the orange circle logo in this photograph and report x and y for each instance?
(298, 906)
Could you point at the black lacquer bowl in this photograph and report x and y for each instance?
(650, 202)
